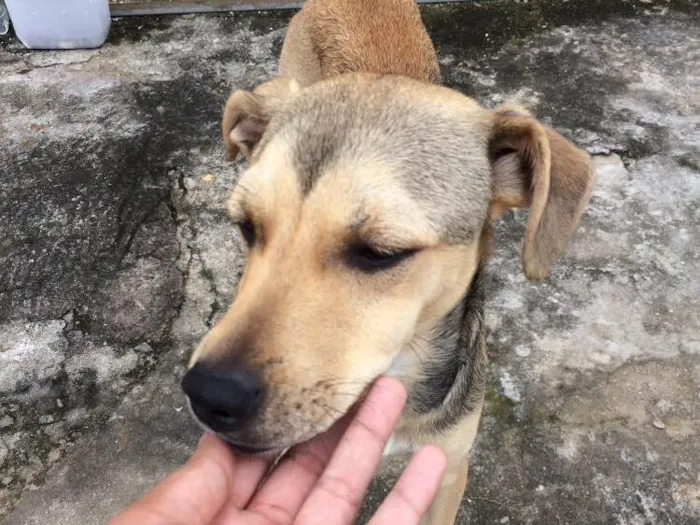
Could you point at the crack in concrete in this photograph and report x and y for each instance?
(178, 196)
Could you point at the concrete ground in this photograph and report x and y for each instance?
(116, 256)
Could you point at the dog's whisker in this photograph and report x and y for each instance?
(422, 339)
(331, 412)
(331, 393)
(415, 351)
(340, 381)
(335, 412)
(249, 192)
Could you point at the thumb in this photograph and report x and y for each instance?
(192, 495)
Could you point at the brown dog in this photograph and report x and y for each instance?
(366, 210)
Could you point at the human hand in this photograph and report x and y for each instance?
(322, 481)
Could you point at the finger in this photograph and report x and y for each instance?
(415, 491)
(191, 496)
(338, 494)
(280, 498)
(248, 480)
(249, 473)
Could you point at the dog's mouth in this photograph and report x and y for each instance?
(241, 445)
(247, 450)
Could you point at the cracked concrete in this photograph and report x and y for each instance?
(116, 257)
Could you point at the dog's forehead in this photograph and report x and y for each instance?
(430, 143)
(350, 196)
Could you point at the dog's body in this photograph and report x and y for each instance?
(366, 210)
(327, 39)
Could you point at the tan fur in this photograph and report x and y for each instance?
(327, 39)
(354, 141)
(299, 274)
(457, 445)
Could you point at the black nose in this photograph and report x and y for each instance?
(223, 399)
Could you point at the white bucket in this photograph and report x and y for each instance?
(60, 24)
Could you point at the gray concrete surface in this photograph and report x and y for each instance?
(115, 257)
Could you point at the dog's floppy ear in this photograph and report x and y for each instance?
(247, 114)
(534, 166)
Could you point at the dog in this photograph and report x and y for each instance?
(366, 210)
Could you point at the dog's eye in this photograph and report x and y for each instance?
(369, 259)
(247, 231)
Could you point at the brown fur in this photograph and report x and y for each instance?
(354, 143)
(328, 39)
(545, 172)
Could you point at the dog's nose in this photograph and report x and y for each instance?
(223, 399)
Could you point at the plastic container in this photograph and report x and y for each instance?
(60, 24)
(4, 19)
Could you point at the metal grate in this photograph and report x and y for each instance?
(161, 7)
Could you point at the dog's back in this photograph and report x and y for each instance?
(332, 37)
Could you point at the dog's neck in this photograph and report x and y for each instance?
(451, 364)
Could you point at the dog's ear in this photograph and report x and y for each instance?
(534, 166)
(247, 114)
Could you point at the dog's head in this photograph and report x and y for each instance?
(363, 210)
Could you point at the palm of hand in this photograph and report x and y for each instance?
(321, 482)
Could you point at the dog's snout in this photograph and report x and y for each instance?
(223, 398)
